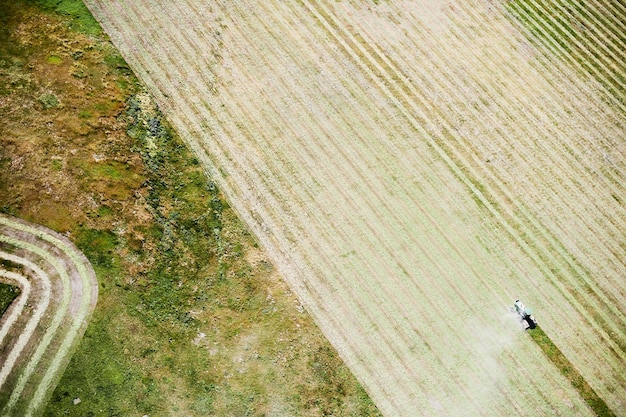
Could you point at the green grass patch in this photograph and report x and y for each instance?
(98, 246)
(567, 369)
(54, 60)
(8, 293)
(56, 165)
(81, 19)
(48, 101)
(112, 178)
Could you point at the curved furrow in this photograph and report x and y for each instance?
(23, 336)
(14, 311)
(65, 295)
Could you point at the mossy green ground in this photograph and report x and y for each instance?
(8, 293)
(191, 319)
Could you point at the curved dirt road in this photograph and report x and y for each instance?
(43, 326)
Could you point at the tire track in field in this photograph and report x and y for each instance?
(40, 342)
(252, 154)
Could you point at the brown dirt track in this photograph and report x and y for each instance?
(411, 168)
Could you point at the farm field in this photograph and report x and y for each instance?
(412, 168)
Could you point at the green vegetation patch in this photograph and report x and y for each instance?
(48, 101)
(567, 369)
(80, 17)
(55, 60)
(8, 293)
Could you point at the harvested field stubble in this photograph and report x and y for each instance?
(412, 168)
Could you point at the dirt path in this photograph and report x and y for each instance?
(412, 168)
(45, 324)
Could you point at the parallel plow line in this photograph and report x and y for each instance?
(38, 341)
(346, 155)
(601, 54)
(517, 219)
(390, 345)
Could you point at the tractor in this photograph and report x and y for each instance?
(526, 315)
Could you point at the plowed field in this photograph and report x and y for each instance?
(413, 167)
